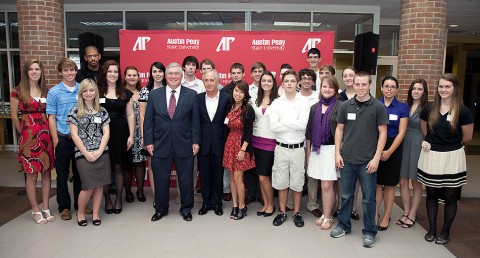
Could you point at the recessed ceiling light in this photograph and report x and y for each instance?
(453, 25)
(206, 13)
(474, 33)
(346, 41)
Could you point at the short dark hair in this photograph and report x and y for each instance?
(314, 51)
(308, 72)
(190, 59)
(207, 62)
(290, 72)
(330, 68)
(258, 65)
(237, 66)
(391, 78)
(285, 66)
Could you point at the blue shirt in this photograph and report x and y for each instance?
(60, 101)
(395, 111)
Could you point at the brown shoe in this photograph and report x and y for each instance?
(178, 200)
(66, 215)
(316, 212)
(227, 197)
(88, 211)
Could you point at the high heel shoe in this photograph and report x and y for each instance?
(129, 197)
(108, 211)
(82, 222)
(117, 211)
(384, 228)
(97, 222)
(241, 213)
(234, 212)
(141, 197)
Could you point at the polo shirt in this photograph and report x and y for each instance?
(60, 101)
(360, 134)
(395, 111)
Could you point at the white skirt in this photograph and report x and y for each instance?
(322, 165)
(442, 169)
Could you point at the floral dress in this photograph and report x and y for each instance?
(137, 137)
(35, 145)
(233, 145)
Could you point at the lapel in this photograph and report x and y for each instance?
(163, 98)
(221, 100)
(203, 106)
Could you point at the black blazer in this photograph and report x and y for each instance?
(247, 129)
(177, 134)
(213, 132)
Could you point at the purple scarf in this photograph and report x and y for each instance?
(321, 123)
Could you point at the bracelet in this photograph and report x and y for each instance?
(242, 150)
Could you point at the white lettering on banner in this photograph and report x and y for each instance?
(268, 44)
(311, 43)
(175, 41)
(224, 44)
(140, 43)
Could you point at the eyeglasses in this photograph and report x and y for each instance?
(307, 79)
(93, 56)
(389, 87)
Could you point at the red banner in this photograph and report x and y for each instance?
(141, 48)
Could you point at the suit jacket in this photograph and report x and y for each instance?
(213, 132)
(167, 134)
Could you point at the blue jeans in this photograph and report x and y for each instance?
(368, 183)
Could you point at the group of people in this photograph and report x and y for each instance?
(304, 132)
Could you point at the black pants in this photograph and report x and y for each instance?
(64, 156)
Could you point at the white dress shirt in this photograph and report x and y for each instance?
(253, 92)
(212, 104)
(169, 92)
(289, 118)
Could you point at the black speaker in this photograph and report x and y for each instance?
(89, 39)
(366, 52)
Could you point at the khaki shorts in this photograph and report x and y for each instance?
(288, 169)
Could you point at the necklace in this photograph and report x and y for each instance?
(89, 110)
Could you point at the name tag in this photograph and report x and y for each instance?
(101, 100)
(97, 120)
(351, 116)
(449, 118)
(226, 121)
(393, 117)
(43, 100)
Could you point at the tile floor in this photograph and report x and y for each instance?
(132, 234)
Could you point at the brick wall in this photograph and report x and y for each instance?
(41, 34)
(422, 43)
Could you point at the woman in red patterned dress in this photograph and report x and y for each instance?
(238, 154)
(35, 147)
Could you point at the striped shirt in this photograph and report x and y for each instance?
(60, 101)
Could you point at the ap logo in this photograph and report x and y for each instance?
(224, 44)
(311, 43)
(140, 43)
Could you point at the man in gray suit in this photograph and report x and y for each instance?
(172, 133)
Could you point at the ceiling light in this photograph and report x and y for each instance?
(453, 25)
(346, 41)
(206, 13)
(298, 24)
(102, 23)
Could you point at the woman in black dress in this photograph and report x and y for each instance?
(119, 103)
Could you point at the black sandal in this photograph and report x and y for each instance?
(406, 225)
(399, 221)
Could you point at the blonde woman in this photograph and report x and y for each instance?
(90, 130)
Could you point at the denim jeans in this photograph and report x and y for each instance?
(368, 183)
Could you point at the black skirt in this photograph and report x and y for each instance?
(388, 172)
(263, 162)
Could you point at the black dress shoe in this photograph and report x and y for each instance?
(117, 211)
(156, 217)
(204, 210)
(260, 213)
(442, 241)
(268, 214)
(141, 197)
(380, 228)
(218, 210)
(129, 197)
(108, 211)
(187, 216)
(429, 237)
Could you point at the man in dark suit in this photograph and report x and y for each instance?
(172, 132)
(213, 107)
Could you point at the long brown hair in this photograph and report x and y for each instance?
(102, 81)
(456, 103)
(261, 93)
(423, 99)
(24, 85)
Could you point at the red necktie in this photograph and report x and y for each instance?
(172, 104)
